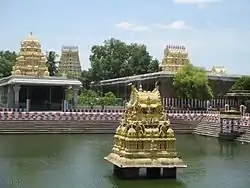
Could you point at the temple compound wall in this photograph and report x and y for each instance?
(175, 57)
(219, 86)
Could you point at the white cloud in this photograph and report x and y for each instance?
(201, 4)
(174, 25)
(196, 2)
(130, 26)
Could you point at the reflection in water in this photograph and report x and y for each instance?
(72, 161)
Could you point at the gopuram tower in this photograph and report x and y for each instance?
(144, 143)
(31, 61)
(70, 61)
(174, 58)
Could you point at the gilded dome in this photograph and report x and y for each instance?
(31, 38)
(30, 42)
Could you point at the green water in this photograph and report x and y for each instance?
(76, 161)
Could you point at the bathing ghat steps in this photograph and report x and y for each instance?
(208, 129)
(212, 129)
(76, 127)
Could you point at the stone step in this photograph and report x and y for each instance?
(90, 131)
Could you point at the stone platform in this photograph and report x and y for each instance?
(147, 173)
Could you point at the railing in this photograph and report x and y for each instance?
(118, 111)
(176, 102)
(93, 115)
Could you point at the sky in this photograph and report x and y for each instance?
(215, 32)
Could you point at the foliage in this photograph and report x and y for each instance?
(5, 67)
(52, 64)
(7, 60)
(89, 97)
(85, 78)
(192, 82)
(242, 83)
(116, 59)
(9, 55)
(70, 95)
(109, 98)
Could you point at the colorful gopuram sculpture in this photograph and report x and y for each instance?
(144, 143)
(174, 58)
(31, 61)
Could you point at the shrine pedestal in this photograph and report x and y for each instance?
(170, 173)
(153, 173)
(126, 173)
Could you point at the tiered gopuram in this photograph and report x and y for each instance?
(31, 61)
(144, 143)
(174, 58)
(70, 61)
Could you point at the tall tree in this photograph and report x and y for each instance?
(192, 82)
(114, 59)
(242, 83)
(9, 55)
(7, 60)
(85, 78)
(52, 63)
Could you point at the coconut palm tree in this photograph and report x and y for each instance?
(52, 63)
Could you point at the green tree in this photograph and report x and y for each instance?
(109, 98)
(116, 59)
(88, 97)
(7, 60)
(52, 63)
(242, 83)
(85, 78)
(9, 55)
(5, 67)
(192, 82)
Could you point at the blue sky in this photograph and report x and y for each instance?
(216, 32)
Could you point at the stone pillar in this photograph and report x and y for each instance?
(232, 125)
(9, 97)
(16, 94)
(75, 97)
(221, 125)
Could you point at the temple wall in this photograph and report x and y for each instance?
(166, 87)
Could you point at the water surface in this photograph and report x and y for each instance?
(76, 161)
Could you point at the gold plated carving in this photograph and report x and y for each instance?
(31, 61)
(174, 58)
(144, 137)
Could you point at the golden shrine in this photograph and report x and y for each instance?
(144, 139)
(31, 61)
